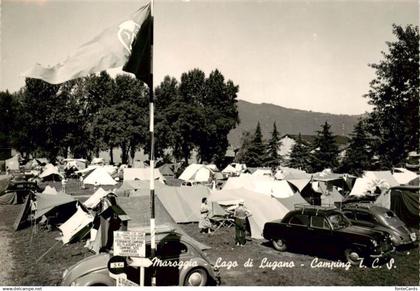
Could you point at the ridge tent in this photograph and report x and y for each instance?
(24, 213)
(47, 203)
(77, 226)
(50, 190)
(372, 180)
(283, 189)
(262, 172)
(291, 173)
(167, 170)
(183, 203)
(403, 176)
(99, 177)
(51, 173)
(12, 164)
(95, 198)
(4, 182)
(138, 209)
(98, 162)
(263, 208)
(404, 201)
(197, 173)
(291, 201)
(142, 174)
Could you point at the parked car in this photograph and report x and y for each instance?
(380, 218)
(327, 229)
(171, 247)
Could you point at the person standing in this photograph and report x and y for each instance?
(240, 215)
(204, 223)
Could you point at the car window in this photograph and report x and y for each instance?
(299, 219)
(349, 214)
(319, 222)
(171, 249)
(338, 221)
(364, 216)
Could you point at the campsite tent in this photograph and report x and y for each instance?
(47, 203)
(141, 174)
(263, 208)
(291, 201)
(404, 176)
(262, 172)
(261, 185)
(234, 169)
(404, 201)
(99, 177)
(51, 173)
(97, 162)
(50, 190)
(183, 203)
(168, 170)
(95, 198)
(371, 180)
(77, 226)
(197, 173)
(12, 164)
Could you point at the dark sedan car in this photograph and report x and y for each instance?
(327, 229)
(380, 218)
(173, 248)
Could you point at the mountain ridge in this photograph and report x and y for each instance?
(288, 121)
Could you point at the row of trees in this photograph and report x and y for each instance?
(380, 140)
(98, 112)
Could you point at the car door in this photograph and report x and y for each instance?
(319, 233)
(364, 218)
(170, 252)
(297, 229)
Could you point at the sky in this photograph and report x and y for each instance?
(310, 55)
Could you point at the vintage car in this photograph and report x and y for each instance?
(379, 218)
(194, 268)
(327, 229)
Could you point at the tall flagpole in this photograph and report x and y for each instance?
(152, 155)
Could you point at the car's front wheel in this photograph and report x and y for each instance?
(279, 244)
(196, 277)
(352, 256)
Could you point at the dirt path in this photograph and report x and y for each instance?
(7, 264)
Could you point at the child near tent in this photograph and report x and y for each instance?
(240, 214)
(204, 223)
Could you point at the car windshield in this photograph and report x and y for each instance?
(338, 221)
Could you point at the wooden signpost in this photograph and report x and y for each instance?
(128, 244)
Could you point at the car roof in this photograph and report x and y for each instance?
(366, 206)
(314, 211)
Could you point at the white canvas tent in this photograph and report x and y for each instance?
(234, 169)
(96, 197)
(404, 176)
(99, 177)
(371, 180)
(142, 174)
(50, 190)
(197, 173)
(76, 226)
(12, 164)
(263, 208)
(51, 173)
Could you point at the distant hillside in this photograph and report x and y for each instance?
(289, 121)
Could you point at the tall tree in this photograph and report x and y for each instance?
(325, 150)
(274, 144)
(359, 153)
(300, 156)
(394, 94)
(257, 150)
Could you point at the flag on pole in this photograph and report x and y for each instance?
(141, 59)
(110, 49)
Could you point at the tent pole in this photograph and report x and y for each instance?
(152, 158)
